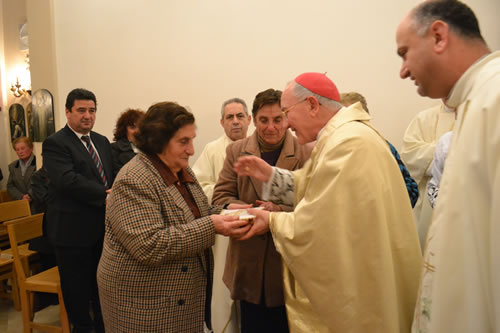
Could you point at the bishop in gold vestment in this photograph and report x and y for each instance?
(350, 247)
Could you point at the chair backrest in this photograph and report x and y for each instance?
(14, 209)
(9, 211)
(20, 231)
(4, 196)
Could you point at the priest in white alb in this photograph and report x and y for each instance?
(443, 51)
(234, 120)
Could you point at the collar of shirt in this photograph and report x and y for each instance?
(134, 147)
(79, 135)
(27, 163)
(24, 165)
(466, 82)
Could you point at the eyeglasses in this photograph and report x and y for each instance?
(286, 110)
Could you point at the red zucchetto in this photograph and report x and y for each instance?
(319, 84)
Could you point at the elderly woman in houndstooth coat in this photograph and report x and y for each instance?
(155, 273)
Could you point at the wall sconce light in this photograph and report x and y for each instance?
(17, 89)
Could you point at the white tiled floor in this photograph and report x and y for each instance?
(11, 321)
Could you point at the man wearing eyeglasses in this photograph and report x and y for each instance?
(350, 248)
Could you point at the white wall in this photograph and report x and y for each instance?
(199, 53)
(42, 55)
(12, 64)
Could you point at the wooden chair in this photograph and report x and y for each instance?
(14, 209)
(22, 230)
(4, 196)
(7, 272)
(9, 211)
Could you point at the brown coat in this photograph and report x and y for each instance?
(253, 263)
(153, 272)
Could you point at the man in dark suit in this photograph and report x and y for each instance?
(80, 168)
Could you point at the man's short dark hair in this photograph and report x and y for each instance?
(456, 14)
(266, 97)
(159, 125)
(79, 94)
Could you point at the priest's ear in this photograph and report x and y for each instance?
(439, 31)
(313, 105)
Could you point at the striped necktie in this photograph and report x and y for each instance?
(96, 159)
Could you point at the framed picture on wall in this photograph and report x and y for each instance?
(29, 120)
(17, 122)
(43, 115)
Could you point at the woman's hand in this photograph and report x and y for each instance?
(230, 225)
(254, 167)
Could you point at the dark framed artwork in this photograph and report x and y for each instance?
(29, 120)
(17, 123)
(43, 115)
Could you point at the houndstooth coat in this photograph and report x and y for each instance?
(153, 273)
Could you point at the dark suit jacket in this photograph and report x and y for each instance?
(122, 153)
(39, 196)
(76, 198)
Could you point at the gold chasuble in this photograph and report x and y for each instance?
(350, 249)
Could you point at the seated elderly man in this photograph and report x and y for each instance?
(253, 271)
